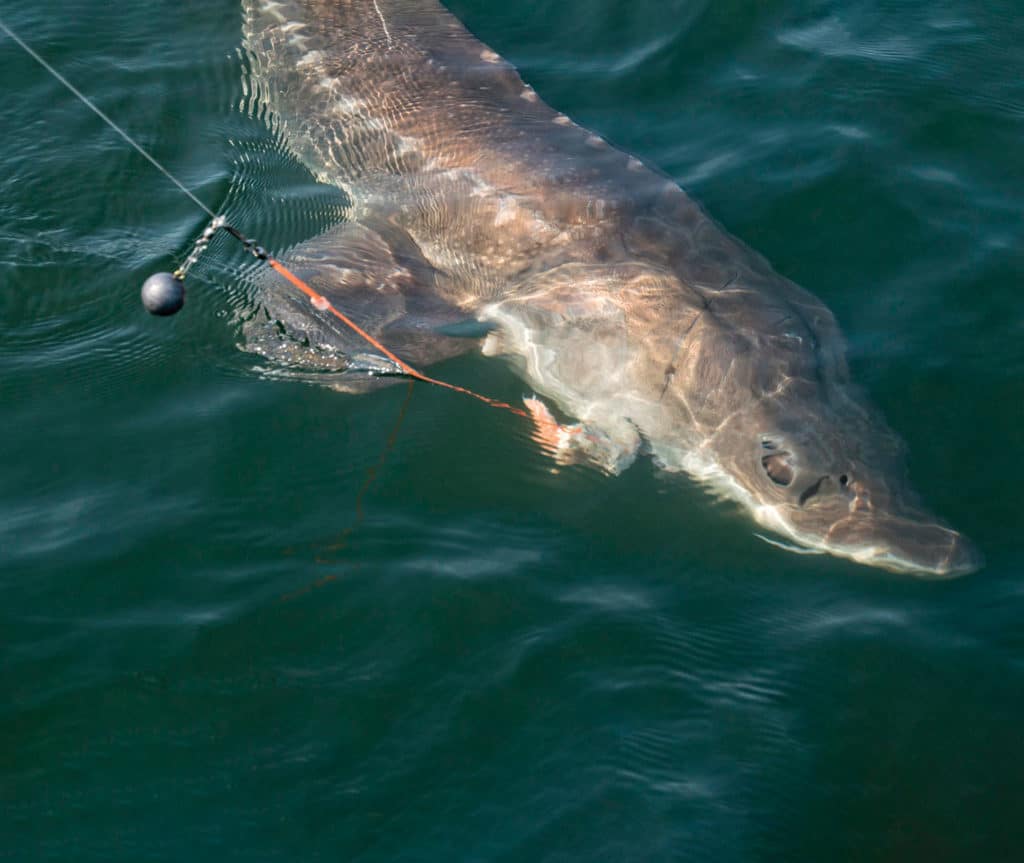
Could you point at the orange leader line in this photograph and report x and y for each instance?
(321, 302)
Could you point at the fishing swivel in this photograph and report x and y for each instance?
(164, 293)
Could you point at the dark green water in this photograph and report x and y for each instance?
(247, 618)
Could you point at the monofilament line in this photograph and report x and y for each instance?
(88, 102)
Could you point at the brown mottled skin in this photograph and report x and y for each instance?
(613, 293)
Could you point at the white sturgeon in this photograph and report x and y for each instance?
(615, 296)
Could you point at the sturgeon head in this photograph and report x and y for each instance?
(827, 474)
(760, 380)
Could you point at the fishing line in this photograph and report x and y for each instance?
(163, 294)
(369, 478)
(89, 103)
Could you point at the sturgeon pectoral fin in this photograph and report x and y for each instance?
(547, 431)
(582, 443)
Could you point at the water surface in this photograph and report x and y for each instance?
(246, 617)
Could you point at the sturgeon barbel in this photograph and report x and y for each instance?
(615, 296)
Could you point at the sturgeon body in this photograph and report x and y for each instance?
(615, 296)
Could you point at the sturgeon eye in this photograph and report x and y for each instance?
(777, 467)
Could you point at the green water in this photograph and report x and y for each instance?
(247, 618)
